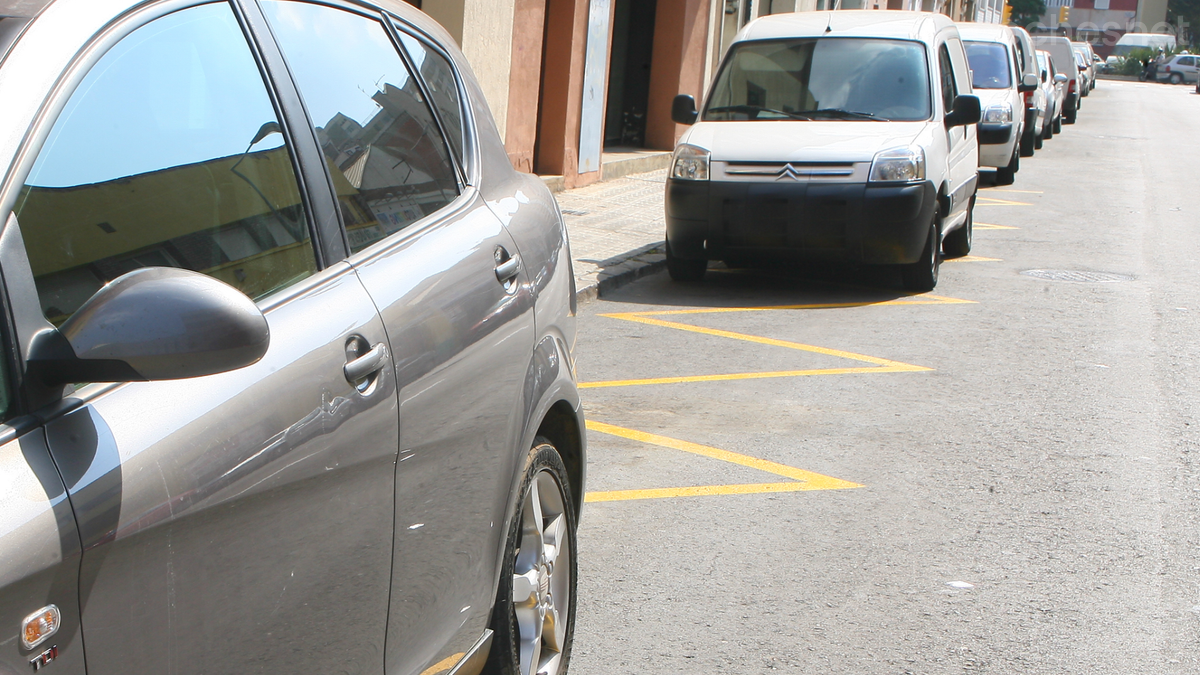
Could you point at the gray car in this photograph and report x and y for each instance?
(288, 382)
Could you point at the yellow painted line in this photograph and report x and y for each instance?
(898, 368)
(443, 665)
(990, 226)
(994, 201)
(813, 481)
(1024, 192)
(700, 491)
(973, 258)
(760, 340)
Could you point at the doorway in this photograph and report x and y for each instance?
(629, 73)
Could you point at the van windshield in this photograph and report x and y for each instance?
(989, 65)
(822, 78)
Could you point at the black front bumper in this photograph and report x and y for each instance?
(994, 134)
(855, 222)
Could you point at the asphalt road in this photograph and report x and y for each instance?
(999, 478)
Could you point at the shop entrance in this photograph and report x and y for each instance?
(629, 73)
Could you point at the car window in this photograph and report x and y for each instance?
(989, 65)
(946, 74)
(389, 163)
(443, 88)
(168, 154)
(785, 79)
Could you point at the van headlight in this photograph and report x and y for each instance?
(898, 165)
(690, 163)
(998, 114)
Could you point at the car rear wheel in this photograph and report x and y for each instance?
(1040, 139)
(922, 275)
(1176, 78)
(958, 243)
(533, 622)
(682, 269)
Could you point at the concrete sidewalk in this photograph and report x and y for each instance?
(616, 229)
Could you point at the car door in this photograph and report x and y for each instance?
(240, 521)
(449, 284)
(963, 151)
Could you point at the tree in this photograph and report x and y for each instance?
(1025, 12)
(1183, 14)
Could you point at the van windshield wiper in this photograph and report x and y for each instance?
(755, 110)
(844, 114)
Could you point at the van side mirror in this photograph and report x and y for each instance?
(154, 323)
(683, 109)
(966, 110)
(1029, 82)
(1059, 78)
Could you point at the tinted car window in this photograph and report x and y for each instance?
(785, 79)
(389, 163)
(989, 65)
(168, 154)
(443, 88)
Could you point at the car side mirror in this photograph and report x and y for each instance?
(155, 323)
(966, 110)
(683, 109)
(1059, 78)
(1029, 82)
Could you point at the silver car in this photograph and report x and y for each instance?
(288, 383)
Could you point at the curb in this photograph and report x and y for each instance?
(619, 271)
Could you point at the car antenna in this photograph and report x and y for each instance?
(829, 24)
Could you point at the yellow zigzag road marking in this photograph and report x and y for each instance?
(973, 258)
(806, 480)
(994, 201)
(990, 226)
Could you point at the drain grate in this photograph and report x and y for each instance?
(1078, 276)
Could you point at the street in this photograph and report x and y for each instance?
(813, 471)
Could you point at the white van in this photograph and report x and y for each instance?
(996, 77)
(1131, 41)
(1064, 62)
(847, 135)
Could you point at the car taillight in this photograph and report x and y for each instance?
(1028, 99)
(1168, 69)
(1071, 87)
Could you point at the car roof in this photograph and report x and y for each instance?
(847, 23)
(991, 32)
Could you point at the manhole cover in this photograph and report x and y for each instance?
(1078, 276)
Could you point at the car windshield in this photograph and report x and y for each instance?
(989, 65)
(822, 78)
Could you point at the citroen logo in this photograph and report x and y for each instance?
(787, 172)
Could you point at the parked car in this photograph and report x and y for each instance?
(1065, 64)
(1034, 106)
(1088, 59)
(995, 78)
(1054, 87)
(1179, 69)
(847, 136)
(332, 423)
(1085, 82)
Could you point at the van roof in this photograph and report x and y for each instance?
(987, 32)
(847, 23)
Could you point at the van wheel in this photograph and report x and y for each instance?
(922, 275)
(533, 622)
(1028, 143)
(1057, 125)
(1008, 174)
(682, 269)
(1039, 139)
(958, 243)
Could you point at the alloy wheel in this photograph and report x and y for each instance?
(541, 583)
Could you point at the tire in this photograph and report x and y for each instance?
(1028, 143)
(922, 275)
(958, 243)
(1176, 78)
(1008, 175)
(1040, 139)
(682, 269)
(535, 635)
(1072, 112)
(1058, 122)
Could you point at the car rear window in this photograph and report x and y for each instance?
(989, 65)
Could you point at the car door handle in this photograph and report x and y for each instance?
(366, 365)
(508, 269)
